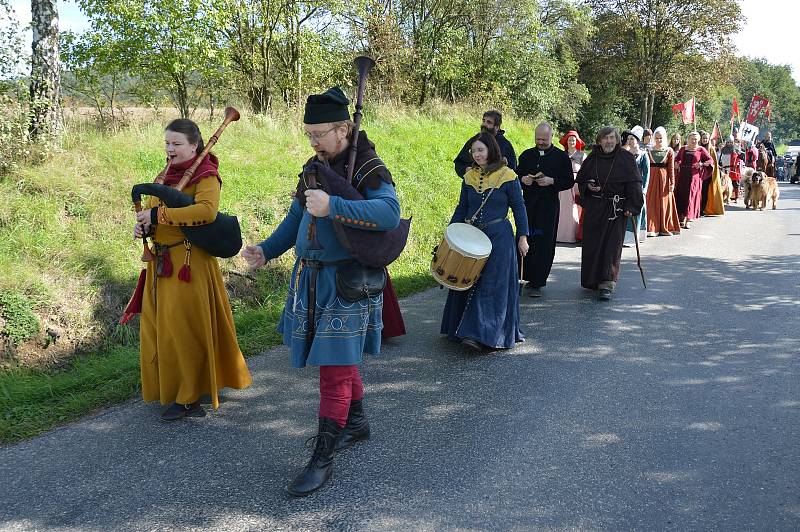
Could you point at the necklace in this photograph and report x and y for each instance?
(597, 176)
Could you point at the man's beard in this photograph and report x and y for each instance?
(485, 129)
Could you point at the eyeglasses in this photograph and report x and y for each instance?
(316, 137)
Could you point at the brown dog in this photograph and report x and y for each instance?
(757, 195)
(773, 192)
(747, 185)
(727, 187)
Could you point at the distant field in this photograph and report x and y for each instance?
(67, 255)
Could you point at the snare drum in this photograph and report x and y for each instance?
(460, 257)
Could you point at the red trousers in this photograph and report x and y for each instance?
(338, 385)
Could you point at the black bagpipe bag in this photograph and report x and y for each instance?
(372, 248)
(221, 238)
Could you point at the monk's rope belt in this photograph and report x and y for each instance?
(615, 203)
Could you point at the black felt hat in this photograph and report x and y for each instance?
(330, 106)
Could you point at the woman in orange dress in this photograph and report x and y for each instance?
(662, 214)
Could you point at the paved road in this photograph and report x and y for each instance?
(672, 408)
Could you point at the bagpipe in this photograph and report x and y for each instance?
(371, 248)
(222, 237)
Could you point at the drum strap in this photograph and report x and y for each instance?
(471, 221)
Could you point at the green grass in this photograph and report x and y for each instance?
(66, 245)
(32, 401)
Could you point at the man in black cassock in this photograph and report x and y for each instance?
(544, 171)
(490, 124)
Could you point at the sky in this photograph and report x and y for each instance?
(770, 32)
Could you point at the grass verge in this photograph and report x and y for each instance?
(34, 400)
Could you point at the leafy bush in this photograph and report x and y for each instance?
(20, 323)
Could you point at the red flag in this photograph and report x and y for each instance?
(758, 103)
(716, 134)
(685, 110)
(735, 110)
(768, 112)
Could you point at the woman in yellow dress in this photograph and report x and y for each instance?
(188, 343)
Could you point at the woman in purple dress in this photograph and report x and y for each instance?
(690, 161)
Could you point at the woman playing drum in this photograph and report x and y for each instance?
(487, 315)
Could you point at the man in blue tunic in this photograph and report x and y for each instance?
(320, 327)
(490, 124)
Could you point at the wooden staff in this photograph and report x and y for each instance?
(638, 255)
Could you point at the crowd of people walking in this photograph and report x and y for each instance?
(340, 302)
(632, 185)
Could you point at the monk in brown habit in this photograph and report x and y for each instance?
(610, 187)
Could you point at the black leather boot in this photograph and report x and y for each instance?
(319, 468)
(357, 427)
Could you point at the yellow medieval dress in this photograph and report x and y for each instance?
(188, 343)
(714, 205)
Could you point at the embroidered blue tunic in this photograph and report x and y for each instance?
(343, 330)
(489, 312)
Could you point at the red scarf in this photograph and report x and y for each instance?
(208, 167)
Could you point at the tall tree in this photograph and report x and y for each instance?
(169, 45)
(658, 43)
(45, 82)
(95, 69)
(429, 25)
(251, 29)
(774, 82)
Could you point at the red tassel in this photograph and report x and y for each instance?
(185, 274)
(166, 265)
(135, 304)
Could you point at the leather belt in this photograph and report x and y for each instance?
(490, 222)
(315, 266)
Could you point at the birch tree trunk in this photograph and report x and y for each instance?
(45, 84)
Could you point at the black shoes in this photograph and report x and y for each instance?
(472, 344)
(357, 428)
(319, 468)
(176, 411)
(604, 294)
(534, 291)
